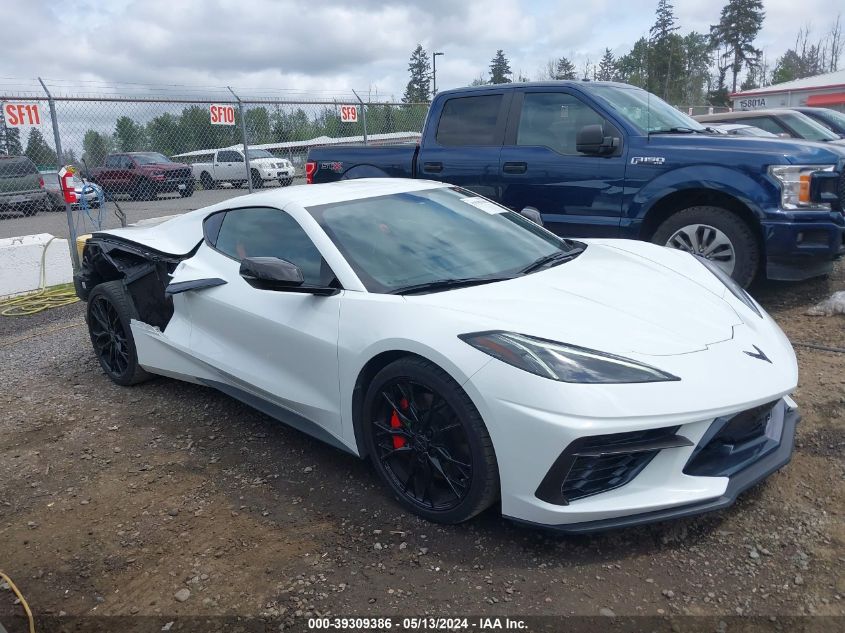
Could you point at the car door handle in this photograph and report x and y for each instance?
(433, 168)
(515, 168)
(194, 284)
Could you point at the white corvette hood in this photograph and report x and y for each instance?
(617, 296)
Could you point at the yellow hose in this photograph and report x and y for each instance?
(43, 298)
(24, 603)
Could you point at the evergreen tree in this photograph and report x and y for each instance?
(664, 50)
(633, 67)
(607, 67)
(128, 135)
(739, 24)
(163, 134)
(95, 146)
(500, 68)
(565, 69)
(38, 151)
(418, 89)
(10, 142)
(696, 71)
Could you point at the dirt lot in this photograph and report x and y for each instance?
(113, 501)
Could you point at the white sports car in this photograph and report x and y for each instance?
(471, 354)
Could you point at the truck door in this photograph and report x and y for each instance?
(578, 195)
(464, 148)
(229, 166)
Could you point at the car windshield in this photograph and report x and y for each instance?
(806, 128)
(833, 116)
(407, 239)
(260, 153)
(151, 158)
(644, 110)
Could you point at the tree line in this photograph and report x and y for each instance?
(683, 68)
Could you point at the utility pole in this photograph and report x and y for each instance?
(434, 57)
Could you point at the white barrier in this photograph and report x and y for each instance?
(20, 263)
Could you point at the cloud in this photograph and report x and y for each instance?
(333, 46)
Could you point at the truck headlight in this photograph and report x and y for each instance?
(795, 185)
(563, 362)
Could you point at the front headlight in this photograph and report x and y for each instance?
(795, 185)
(563, 362)
(735, 289)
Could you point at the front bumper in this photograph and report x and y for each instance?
(738, 483)
(175, 183)
(801, 245)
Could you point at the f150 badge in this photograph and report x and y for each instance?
(647, 160)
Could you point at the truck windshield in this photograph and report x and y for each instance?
(151, 158)
(808, 129)
(644, 110)
(437, 238)
(260, 153)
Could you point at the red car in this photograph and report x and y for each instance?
(143, 175)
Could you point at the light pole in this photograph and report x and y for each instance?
(434, 73)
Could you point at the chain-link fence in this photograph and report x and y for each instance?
(157, 147)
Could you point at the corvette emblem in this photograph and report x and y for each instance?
(759, 354)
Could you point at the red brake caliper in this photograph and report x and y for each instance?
(398, 440)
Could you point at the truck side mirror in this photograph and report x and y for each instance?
(591, 140)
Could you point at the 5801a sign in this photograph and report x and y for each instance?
(21, 114)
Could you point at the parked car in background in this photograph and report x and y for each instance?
(228, 165)
(88, 191)
(833, 120)
(21, 186)
(143, 175)
(604, 159)
(739, 129)
(782, 122)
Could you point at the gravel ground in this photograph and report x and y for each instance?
(169, 499)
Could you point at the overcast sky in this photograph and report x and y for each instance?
(327, 46)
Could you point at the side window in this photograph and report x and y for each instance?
(552, 119)
(127, 162)
(261, 232)
(766, 123)
(470, 121)
(228, 156)
(112, 161)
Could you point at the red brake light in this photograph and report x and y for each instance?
(41, 181)
(310, 168)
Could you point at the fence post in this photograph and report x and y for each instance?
(363, 115)
(74, 254)
(243, 136)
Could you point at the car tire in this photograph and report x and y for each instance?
(207, 181)
(453, 452)
(109, 312)
(716, 233)
(188, 191)
(257, 180)
(31, 209)
(144, 190)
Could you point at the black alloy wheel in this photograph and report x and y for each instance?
(428, 442)
(110, 310)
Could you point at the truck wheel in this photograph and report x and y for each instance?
(257, 180)
(206, 180)
(188, 191)
(30, 209)
(716, 234)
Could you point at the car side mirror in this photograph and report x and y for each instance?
(274, 273)
(271, 273)
(784, 135)
(591, 140)
(532, 214)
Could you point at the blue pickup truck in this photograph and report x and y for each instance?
(604, 159)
